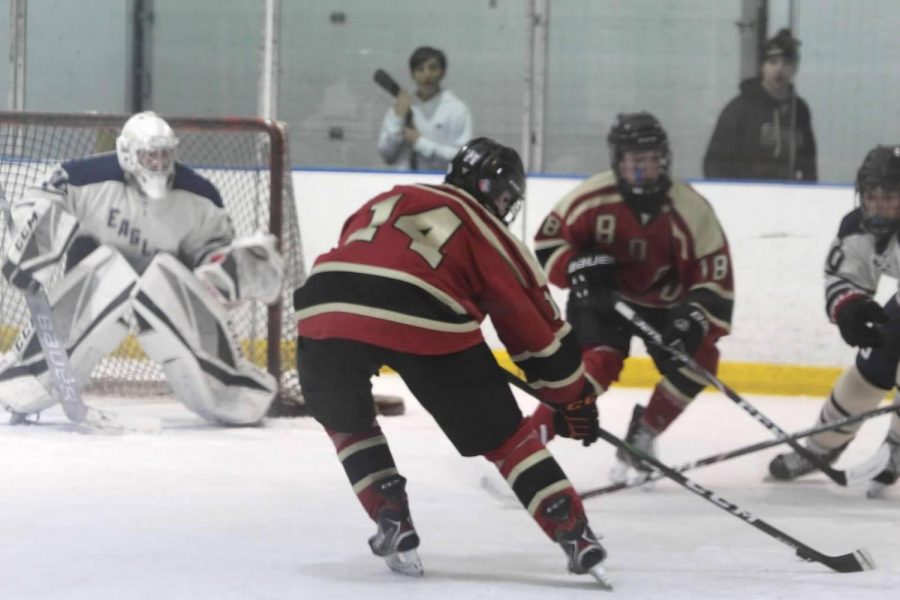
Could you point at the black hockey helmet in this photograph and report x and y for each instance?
(637, 132)
(880, 170)
(492, 173)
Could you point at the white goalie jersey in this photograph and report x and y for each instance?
(189, 223)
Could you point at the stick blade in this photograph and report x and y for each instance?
(854, 562)
(869, 469)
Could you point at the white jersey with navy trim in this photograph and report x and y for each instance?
(856, 261)
(188, 223)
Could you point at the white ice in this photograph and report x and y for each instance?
(200, 512)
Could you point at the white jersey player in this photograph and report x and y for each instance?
(866, 248)
(423, 131)
(145, 243)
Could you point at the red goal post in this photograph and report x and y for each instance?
(246, 159)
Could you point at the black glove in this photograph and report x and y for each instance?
(578, 420)
(686, 329)
(591, 279)
(858, 321)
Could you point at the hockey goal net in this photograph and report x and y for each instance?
(246, 159)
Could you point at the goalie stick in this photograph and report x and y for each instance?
(853, 476)
(643, 478)
(59, 367)
(858, 560)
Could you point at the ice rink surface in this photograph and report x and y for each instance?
(199, 512)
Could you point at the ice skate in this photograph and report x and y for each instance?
(584, 552)
(888, 476)
(640, 437)
(791, 465)
(396, 541)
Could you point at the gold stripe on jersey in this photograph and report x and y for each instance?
(548, 350)
(590, 204)
(478, 218)
(386, 315)
(550, 264)
(334, 266)
(540, 384)
(715, 288)
(591, 185)
(678, 234)
(700, 219)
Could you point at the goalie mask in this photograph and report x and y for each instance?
(640, 157)
(146, 151)
(878, 190)
(493, 174)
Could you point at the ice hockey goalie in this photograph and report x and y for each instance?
(145, 244)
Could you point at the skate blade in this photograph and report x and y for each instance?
(599, 573)
(405, 563)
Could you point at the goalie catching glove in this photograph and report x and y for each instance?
(578, 420)
(41, 241)
(250, 267)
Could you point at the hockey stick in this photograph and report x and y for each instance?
(643, 478)
(388, 84)
(852, 476)
(59, 367)
(858, 560)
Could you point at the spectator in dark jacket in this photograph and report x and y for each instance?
(766, 131)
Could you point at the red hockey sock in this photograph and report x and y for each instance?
(603, 364)
(537, 480)
(663, 408)
(541, 421)
(369, 465)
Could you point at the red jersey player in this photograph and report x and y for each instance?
(414, 273)
(633, 233)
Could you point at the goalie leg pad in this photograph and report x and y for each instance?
(186, 330)
(90, 306)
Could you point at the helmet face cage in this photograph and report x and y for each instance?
(640, 132)
(878, 190)
(146, 150)
(493, 174)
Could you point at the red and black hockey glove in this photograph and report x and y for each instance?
(858, 320)
(578, 420)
